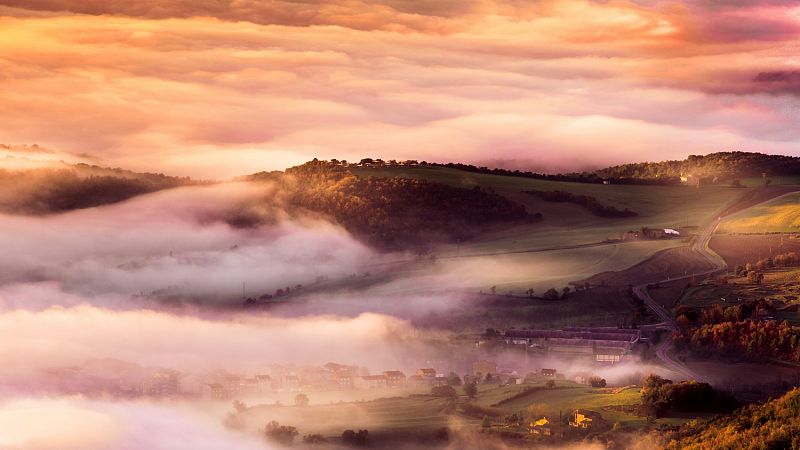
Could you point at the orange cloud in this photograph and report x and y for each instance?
(215, 90)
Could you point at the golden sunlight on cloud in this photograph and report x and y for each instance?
(197, 89)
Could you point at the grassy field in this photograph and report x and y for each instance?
(422, 413)
(569, 224)
(518, 272)
(569, 396)
(781, 215)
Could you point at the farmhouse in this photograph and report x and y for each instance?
(395, 378)
(371, 382)
(541, 427)
(585, 419)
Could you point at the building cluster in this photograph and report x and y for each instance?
(599, 345)
(650, 233)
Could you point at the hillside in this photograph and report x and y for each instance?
(388, 213)
(773, 425)
(567, 223)
(66, 187)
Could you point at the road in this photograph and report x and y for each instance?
(700, 246)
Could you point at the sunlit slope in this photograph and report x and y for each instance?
(568, 224)
(780, 215)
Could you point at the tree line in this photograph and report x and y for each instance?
(586, 201)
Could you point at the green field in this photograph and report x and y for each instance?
(567, 224)
(780, 215)
(518, 272)
(569, 396)
(422, 413)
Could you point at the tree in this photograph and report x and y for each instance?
(597, 382)
(358, 439)
(565, 292)
(551, 294)
(493, 290)
(530, 292)
(281, 434)
(471, 389)
(486, 422)
(314, 439)
(453, 379)
(301, 400)
(444, 391)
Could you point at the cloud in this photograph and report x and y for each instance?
(74, 423)
(173, 244)
(216, 89)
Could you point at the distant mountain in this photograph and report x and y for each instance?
(714, 166)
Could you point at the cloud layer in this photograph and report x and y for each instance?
(216, 89)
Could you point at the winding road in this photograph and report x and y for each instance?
(700, 246)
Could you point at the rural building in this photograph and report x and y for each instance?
(484, 367)
(371, 382)
(585, 419)
(541, 427)
(217, 392)
(550, 373)
(395, 378)
(427, 374)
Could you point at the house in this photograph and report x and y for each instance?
(264, 383)
(163, 383)
(217, 392)
(440, 380)
(416, 381)
(585, 419)
(372, 382)
(291, 383)
(541, 427)
(427, 374)
(550, 373)
(342, 381)
(395, 378)
(484, 367)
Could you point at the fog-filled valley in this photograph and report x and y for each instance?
(399, 225)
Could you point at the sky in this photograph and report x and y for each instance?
(219, 88)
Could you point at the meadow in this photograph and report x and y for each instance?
(778, 216)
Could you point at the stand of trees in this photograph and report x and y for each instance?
(753, 340)
(586, 201)
(660, 395)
